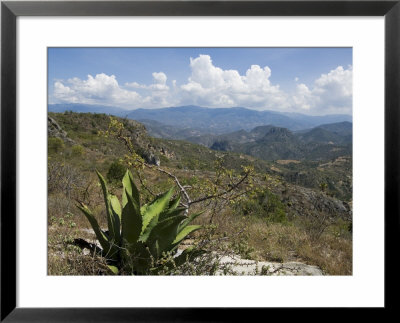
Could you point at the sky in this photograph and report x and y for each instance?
(314, 81)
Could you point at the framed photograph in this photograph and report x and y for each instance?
(180, 154)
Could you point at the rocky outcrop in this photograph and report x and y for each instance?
(303, 201)
(142, 144)
(241, 266)
(235, 265)
(55, 130)
(151, 158)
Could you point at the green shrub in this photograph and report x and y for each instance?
(116, 172)
(274, 208)
(55, 145)
(140, 238)
(77, 150)
(265, 205)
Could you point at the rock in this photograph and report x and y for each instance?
(55, 130)
(151, 159)
(241, 266)
(301, 201)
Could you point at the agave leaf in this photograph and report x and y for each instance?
(96, 228)
(112, 226)
(131, 221)
(146, 233)
(173, 204)
(114, 269)
(163, 234)
(170, 213)
(156, 207)
(184, 232)
(130, 188)
(115, 206)
(116, 214)
(189, 220)
(164, 215)
(143, 208)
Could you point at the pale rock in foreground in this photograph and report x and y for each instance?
(251, 267)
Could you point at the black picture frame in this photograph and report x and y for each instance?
(10, 10)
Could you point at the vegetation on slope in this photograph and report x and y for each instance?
(265, 218)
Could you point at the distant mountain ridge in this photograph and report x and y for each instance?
(271, 143)
(209, 120)
(87, 108)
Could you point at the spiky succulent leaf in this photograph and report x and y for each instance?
(169, 213)
(189, 219)
(154, 221)
(131, 220)
(155, 208)
(117, 215)
(130, 187)
(115, 205)
(184, 232)
(114, 269)
(146, 233)
(113, 227)
(103, 239)
(163, 234)
(173, 204)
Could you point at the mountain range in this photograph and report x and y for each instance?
(272, 143)
(207, 120)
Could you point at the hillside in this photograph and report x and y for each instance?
(286, 217)
(269, 142)
(208, 120)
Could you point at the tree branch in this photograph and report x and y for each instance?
(233, 187)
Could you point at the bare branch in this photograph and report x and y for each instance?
(189, 202)
(233, 187)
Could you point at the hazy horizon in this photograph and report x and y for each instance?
(202, 107)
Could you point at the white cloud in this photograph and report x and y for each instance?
(303, 97)
(331, 93)
(160, 78)
(212, 86)
(101, 89)
(104, 89)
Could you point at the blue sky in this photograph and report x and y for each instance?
(305, 80)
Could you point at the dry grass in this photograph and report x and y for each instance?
(333, 255)
(64, 258)
(74, 264)
(278, 242)
(252, 237)
(65, 223)
(265, 241)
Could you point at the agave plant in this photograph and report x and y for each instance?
(139, 236)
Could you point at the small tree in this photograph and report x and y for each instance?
(116, 172)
